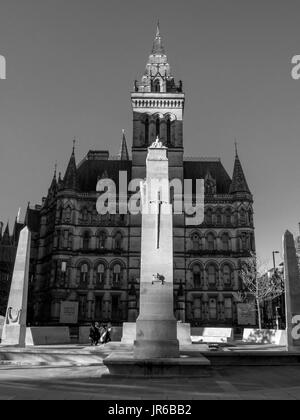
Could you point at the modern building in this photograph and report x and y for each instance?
(81, 256)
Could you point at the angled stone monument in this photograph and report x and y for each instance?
(14, 329)
(292, 293)
(156, 326)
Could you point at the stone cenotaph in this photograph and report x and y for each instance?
(14, 329)
(156, 326)
(156, 351)
(292, 293)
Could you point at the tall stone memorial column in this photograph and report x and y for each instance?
(292, 293)
(14, 331)
(156, 327)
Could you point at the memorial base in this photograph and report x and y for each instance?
(122, 365)
(14, 335)
(156, 339)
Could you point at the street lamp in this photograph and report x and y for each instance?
(274, 262)
(276, 310)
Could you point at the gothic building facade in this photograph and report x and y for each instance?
(79, 255)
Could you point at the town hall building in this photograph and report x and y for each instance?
(80, 256)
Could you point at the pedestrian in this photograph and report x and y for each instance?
(94, 335)
(102, 333)
(107, 338)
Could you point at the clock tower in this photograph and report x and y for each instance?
(158, 107)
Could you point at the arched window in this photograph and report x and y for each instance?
(100, 274)
(210, 242)
(250, 217)
(243, 218)
(157, 124)
(228, 217)
(212, 308)
(118, 239)
(168, 131)
(102, 240)
(197, 276)
(156, 86)
(225, 242)
(244, 242)
(219, 217)
(117, 270)
(84, 271)
(228, 307)
(208, 217)
(147, 124)
(196, 240)
(227, 275)
(212, 276)
(68, 214)
(86, 241)
(85, 215)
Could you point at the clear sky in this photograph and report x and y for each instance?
(70, 70)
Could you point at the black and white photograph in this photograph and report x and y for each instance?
(149, 202)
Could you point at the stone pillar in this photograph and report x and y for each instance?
(156, 327)
(292, 293)
(90, 302)
(132, 304)
(14, 330)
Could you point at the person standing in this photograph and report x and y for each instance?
(94, 335)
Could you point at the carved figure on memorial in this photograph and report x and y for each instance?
(157, 144)
(13, 316)
(158, 278)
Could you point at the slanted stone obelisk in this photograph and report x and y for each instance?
(292, 293)
(156, 326)
(14, 330)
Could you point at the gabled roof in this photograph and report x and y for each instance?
(91, 170)
(200, 169)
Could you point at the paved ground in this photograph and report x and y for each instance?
(86, 383)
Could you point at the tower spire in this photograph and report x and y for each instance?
(70, 178)
(124, 155)
(158, 29)
(239, 183)
(236, 147)
(158, 48)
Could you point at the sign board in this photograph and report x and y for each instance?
(246, 314)
(68, 312)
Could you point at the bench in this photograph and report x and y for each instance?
(39, 336)
(212, 335)
(256, 336)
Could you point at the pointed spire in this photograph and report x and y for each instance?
(6, 240)
(239, 183)
(70, 178)
(19, 216)
(158, 48)
(158, 29)
(54, 180)
(6, 232)
(124, 155)
(236, 147)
